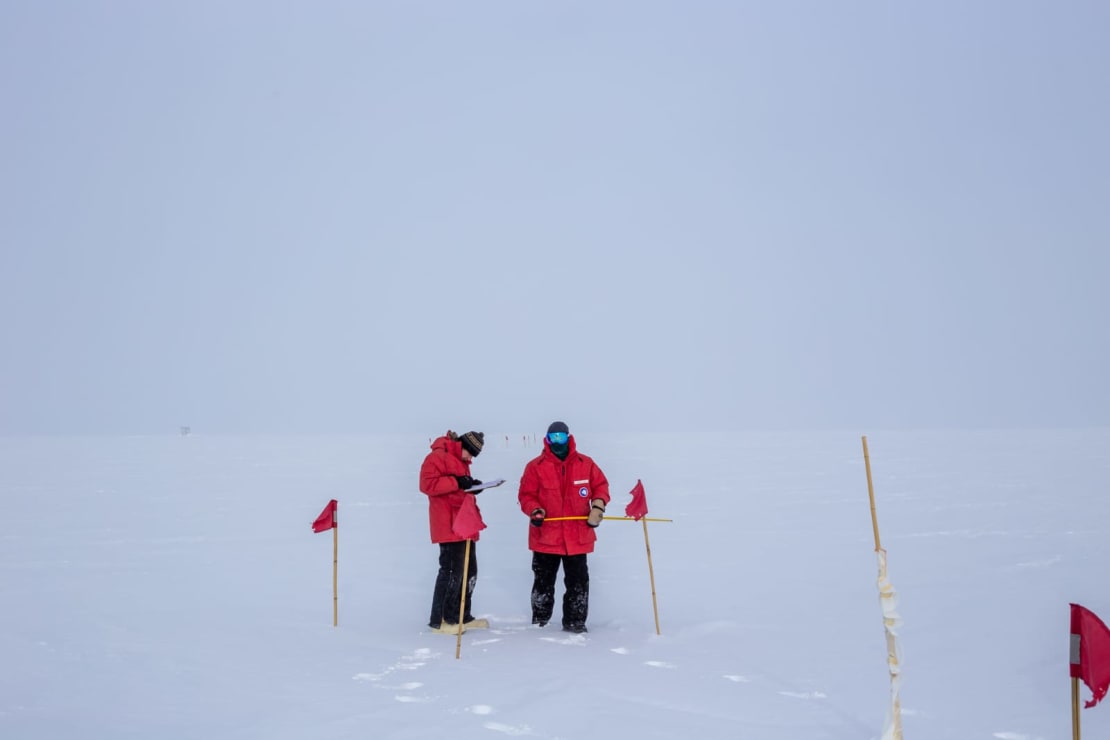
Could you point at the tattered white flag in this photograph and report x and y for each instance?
(891, 622)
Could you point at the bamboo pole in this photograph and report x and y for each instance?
(335, 573)
(871, 494)
(651, 574)
(895, 728)
(1075, 709)
(462, 599)
(606, 518)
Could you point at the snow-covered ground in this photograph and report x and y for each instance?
(171, 587)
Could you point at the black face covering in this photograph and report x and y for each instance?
(560, 450)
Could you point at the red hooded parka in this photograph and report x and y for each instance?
(562, 488)
(437, 480)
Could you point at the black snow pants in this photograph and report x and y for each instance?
(448, 588)
(576, 579)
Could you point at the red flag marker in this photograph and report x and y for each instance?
(468, 522)
(1090, 652)
(326, 520)
(637, 508)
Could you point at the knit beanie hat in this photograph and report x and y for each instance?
(472, 442)
(558, 426)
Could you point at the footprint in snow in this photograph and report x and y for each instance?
(484, 709)
(368, 676)
(619, 651)
(568, 640)
(511, 628)
(508, 729)
(738, 679)
(417, 659)
(406, 663)
(659, 664)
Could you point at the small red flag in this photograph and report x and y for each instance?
(326, 520)
(1090, 652)
(637, 508)
(468, 522)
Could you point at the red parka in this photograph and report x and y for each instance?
(562, 488)
(437, 480)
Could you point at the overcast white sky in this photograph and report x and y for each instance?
(364, 216)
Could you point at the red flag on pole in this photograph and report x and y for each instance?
(1090, 652)
(637, 508)
(326, 520)
(468, 522)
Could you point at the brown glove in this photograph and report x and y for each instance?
(597, 511)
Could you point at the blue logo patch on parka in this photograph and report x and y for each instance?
(583, 492)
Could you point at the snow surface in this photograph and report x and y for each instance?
(171, 587)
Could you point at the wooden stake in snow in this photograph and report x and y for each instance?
(329, 519)
(462, 599)
(888, 599)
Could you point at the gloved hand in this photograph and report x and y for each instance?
(537, 517)
(465, 481)
(474, 482)
(597, 511)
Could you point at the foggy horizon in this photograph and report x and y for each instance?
(344, 218)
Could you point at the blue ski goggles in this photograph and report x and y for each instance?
(558, 438)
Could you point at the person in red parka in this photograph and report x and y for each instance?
(444, 476)
(562, 482)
